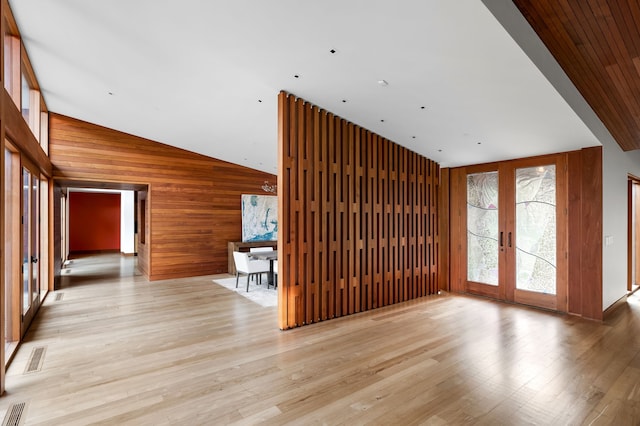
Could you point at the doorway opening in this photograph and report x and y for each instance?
(97, 227)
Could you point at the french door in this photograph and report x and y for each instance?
(25, 200)
(513, 231)
(30, 244)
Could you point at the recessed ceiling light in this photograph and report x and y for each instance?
(383, 82)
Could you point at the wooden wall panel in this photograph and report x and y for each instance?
(457, 230)
(585, 233)
(193, 201)
(56, 232)
(591, 233)
(358, 218)
(574, 176)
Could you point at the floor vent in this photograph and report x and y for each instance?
(14, 414)
(59, 296)
(35, 360)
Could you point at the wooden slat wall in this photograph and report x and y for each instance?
(358, 218)
(193, 201)
(443, 241)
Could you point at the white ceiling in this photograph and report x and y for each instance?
(192, 74)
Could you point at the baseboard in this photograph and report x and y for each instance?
(128, 254)
(615, 306)
(82, 253)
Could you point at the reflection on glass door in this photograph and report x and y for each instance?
(535, 234)
(35, 239)
(482, 228)
(26, 241)
(11, 322)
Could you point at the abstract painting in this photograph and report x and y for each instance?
(259, 218)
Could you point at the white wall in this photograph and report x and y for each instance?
(616, 167)
(127, 217)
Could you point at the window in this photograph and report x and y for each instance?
(12, 67)
(25, 98)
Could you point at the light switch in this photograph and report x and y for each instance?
(608, 240)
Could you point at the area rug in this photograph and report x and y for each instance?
(259, 294)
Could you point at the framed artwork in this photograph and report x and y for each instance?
(259, 217)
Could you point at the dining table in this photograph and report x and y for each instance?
(271, 256)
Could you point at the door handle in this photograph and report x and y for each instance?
(501, 239)
(509, 239)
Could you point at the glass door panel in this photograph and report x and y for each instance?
(35, 237)
(482, 228)
(12, 180)
(30, 245)
(535, 233)
(26, 241)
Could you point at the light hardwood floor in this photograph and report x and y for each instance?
(120, 350)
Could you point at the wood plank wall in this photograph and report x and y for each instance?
(585, 233)
(57, 236)
(193, 201)
(358, 223)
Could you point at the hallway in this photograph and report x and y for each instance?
(121, 350)
(83, 269)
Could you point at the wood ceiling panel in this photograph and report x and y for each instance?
(597, 43)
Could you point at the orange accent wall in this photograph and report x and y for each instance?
(94, 222)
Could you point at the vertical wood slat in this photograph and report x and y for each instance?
(358, 218)
(444, 241)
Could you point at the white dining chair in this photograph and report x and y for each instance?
(256, 249)
(275, 273)
(248, 267)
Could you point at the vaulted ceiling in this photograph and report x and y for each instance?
(204, 76)
(597, 43)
